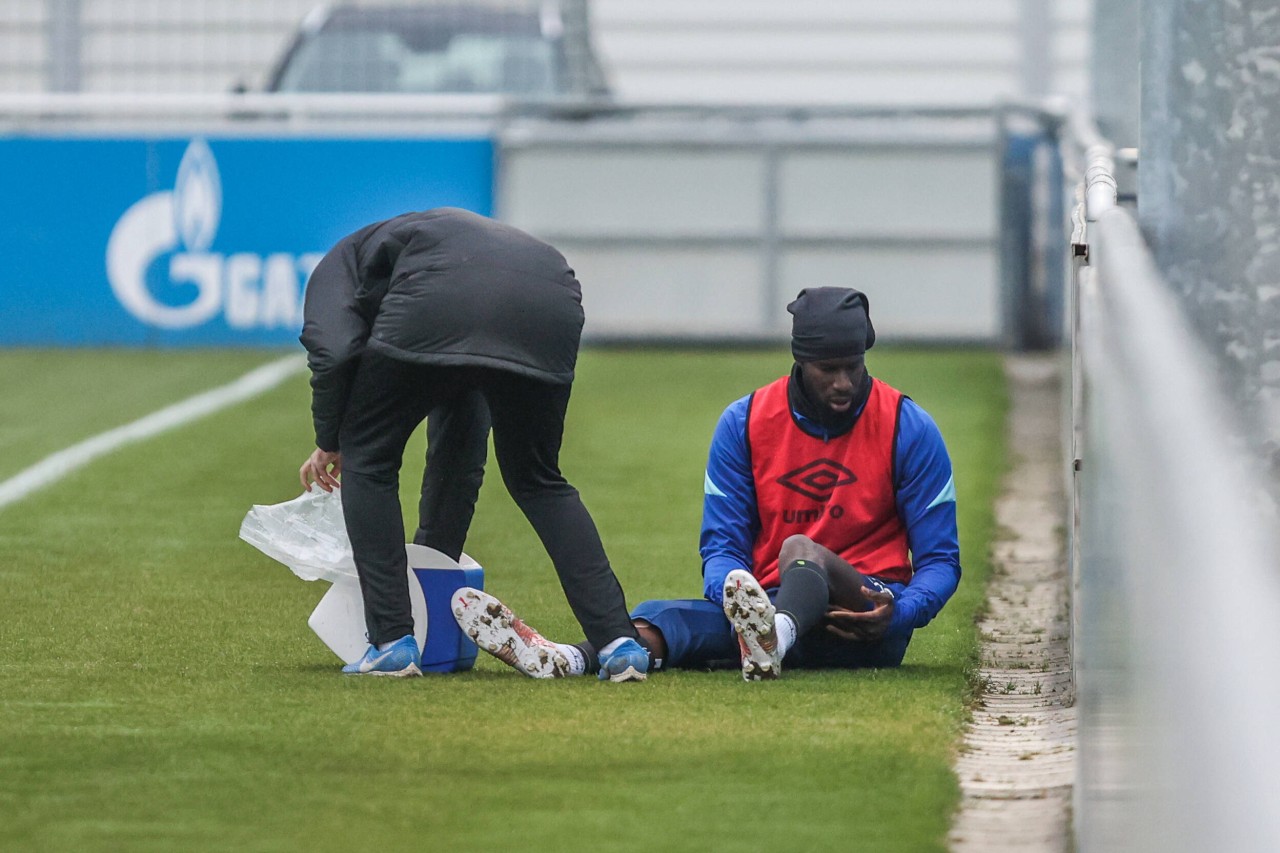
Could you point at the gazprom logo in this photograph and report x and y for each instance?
(251, 291)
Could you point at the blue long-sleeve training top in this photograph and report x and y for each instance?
(926, 499)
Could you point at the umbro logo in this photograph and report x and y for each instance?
(817, 479)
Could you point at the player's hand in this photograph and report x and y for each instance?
(323, 468)
(865, 626)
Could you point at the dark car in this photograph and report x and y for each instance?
(543, 51)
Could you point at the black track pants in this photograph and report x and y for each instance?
(457, 444)
(389, 399)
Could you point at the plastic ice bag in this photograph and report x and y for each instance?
(307, 534)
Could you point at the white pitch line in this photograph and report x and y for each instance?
(58, 465)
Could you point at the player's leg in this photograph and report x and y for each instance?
(822, 650)
(497, 630)
(809, 567)
(652, 638)
(846, 585)
(684, 633)
(812, 578)
(528, 427)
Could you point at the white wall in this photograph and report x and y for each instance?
(682, 233)
(967, 52)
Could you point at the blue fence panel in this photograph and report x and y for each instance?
(199, 241)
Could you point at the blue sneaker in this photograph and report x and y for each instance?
(628, 662)
(401, 659)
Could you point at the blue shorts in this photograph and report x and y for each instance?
(699, 636)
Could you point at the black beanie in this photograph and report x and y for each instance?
(830, 322)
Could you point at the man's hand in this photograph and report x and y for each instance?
(867, 626)
(323, 468)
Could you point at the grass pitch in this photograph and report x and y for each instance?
(160, 690)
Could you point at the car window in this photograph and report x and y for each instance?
(370, 61)
(343, 62)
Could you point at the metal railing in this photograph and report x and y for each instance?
(1176, 641)
(206, 46)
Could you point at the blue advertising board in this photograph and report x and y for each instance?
(199, 241)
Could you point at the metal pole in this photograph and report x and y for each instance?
(770, 242)
(1037, 48)
(1114, 70)
(66, 39)
(575, 15)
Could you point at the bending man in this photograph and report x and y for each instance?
(454, 314)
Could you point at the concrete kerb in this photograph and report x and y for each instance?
(1017, 764)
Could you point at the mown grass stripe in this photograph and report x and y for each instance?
(58, 465)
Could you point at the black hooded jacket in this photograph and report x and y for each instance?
(442, 287)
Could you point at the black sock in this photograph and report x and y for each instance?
(589, 652)
(803, 594)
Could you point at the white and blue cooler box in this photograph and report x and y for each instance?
(338, 619)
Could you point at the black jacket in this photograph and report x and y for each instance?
(444, 287)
